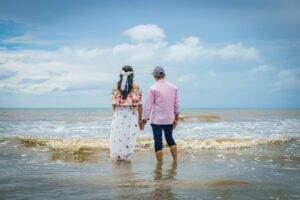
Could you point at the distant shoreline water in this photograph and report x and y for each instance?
(223, 153)
(82, 128)
(182, 108)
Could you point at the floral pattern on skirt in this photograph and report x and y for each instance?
(123, 132)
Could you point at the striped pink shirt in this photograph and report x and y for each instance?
(161, 103)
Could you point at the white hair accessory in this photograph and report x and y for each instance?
(124, 82)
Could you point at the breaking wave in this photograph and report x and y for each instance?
(205, 118)
(146, 143)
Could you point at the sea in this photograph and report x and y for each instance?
(63, 153)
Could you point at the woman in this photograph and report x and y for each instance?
(127, 104)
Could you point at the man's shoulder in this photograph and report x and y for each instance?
(155, 86)
(152, 87)
(172, 85)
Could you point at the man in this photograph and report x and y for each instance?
(162, 105)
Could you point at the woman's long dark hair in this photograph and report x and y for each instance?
(128, 89)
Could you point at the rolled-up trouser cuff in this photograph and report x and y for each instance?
(157, 135)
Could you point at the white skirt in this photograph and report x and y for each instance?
(123, 132)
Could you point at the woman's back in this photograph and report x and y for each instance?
(127, 103)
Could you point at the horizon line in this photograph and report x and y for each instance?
(181, 108)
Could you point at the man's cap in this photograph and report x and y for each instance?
(158, 71)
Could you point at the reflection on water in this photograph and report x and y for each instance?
(78, 157)
(169, 174)
(220, 174)
(165, 178)
(122, 167)
(229, 154)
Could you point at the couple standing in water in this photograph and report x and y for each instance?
(161, 108)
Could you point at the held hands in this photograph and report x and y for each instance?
(141, 125)
(175, 122)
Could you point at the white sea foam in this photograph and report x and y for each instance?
(4, 143)
(146, 143)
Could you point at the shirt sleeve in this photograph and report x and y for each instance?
(114, 95)
(176, 103)
(149, 104)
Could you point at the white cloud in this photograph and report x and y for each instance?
(277, 79)
(287, 79)
(46, 71)
(184, 78)
(30, 89)
(145, 32)
(261, 69)
(191, 49)
(28, 81)
(187, 49)
(26, 39)
(140, 52)
(77, 68)
(6, 74)
(238, 51)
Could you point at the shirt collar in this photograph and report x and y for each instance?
(161, 81)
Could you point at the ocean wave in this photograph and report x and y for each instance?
(205, 118)
(146, 143)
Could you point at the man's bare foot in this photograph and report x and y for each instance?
(173, 150)
(159, 156)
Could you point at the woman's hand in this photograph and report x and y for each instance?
(140, 111)
(141, 125)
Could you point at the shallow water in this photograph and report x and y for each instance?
(63, 154)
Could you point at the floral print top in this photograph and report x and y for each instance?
(134, 98)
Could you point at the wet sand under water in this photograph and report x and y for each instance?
(30, 171)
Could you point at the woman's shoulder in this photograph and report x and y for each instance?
(115, 88)
(136, 86)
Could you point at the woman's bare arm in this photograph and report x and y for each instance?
(140, 111)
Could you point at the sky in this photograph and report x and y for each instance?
(220, 54)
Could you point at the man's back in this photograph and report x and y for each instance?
(162, 100)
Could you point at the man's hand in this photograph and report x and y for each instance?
(174, 124)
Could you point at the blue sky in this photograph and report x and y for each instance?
(220, 54)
